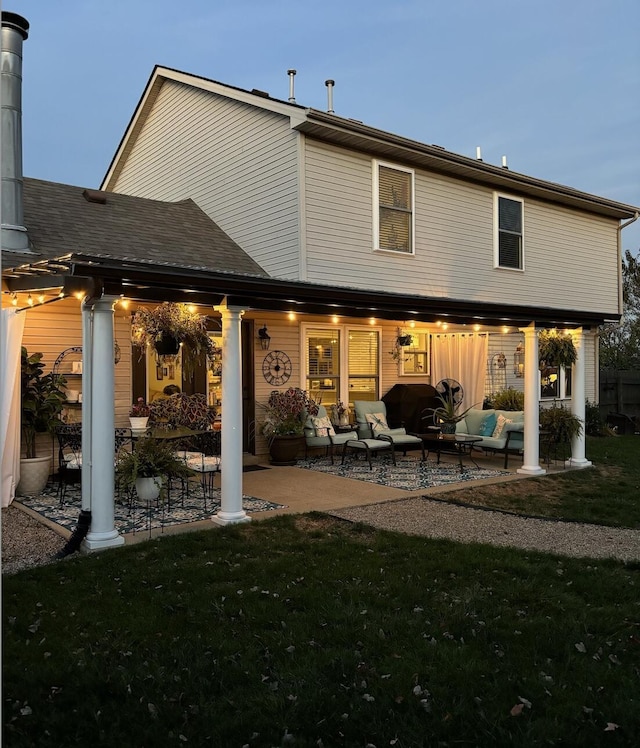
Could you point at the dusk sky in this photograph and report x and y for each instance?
(554, 85)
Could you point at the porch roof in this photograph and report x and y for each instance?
(148, 280)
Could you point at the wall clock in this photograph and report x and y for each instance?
(276, 367)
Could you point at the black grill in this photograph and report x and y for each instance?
(405, 404)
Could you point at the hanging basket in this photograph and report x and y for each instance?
(556, 349)
(168, 345)
(404, 340)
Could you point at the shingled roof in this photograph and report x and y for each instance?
(62, 219)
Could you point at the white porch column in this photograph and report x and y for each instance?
(231, 510)
(578, 404)
(531, 459)
(102, 533)
(87, 403)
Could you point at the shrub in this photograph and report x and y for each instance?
(508, 399)
(594, 424)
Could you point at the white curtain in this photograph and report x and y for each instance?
(12, 329)
(461, 356)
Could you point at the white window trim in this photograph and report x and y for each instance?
(401, 372)
(496, 231)
(376, 208)
(344, 353)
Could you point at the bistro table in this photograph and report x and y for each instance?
(457, 444)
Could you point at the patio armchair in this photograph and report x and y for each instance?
(371, 419)
(319, 432)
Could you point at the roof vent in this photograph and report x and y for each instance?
(330, 84)
(292, 75)
(258, 92)
(95, 196)
(504, 162)
(478, 153)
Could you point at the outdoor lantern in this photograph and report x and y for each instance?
(264, 338)
(518, 361)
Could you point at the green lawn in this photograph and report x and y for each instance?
(309, 631)
(607, 494)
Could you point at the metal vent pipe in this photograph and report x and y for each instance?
(330, 84)
(292, 75)
(15, 29)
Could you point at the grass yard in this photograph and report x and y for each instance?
(309, 631)
(607, 494)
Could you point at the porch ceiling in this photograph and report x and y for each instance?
(145, 281)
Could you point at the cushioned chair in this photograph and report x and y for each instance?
(371, 419)
(319, 432)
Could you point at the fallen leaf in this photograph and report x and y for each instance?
(611, 726)
(516, 710)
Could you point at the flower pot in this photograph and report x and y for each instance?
(448, 428)
(344, 420)
(34, 474)
(283, 450)
(138, 423)
(168, 345)
(148, 489)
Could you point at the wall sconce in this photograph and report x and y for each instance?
(264, 338)
(518, 361)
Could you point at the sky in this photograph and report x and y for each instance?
(553, 85)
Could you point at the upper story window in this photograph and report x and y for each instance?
(509, 249)
(393, 208)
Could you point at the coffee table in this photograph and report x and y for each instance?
(458, 444)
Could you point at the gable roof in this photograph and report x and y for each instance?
(63, 220)
(353, 134)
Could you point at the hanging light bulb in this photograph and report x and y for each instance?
(14, 299)
(41, 298)
(29, 300)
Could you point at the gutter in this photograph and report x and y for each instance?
(619, 241)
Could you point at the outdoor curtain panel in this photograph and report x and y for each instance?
(12, 329)
(461, 356)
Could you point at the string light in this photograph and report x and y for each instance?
(14, 299)
(41, 298)
(292, 316)
(29, 300)
(335, 319)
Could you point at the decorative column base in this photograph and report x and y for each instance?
(100, 540)
(230, 518)
(533, 470)
(575, 462)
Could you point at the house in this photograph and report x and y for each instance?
(339, 238)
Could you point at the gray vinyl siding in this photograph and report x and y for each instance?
(454, 248)
(237, 162)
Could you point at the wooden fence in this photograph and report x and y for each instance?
(620, 392)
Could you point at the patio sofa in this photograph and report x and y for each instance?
(500, 430)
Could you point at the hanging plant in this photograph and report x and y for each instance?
(555, 349)
(173, 323)
(404, 340)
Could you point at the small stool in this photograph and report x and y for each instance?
(369, 446)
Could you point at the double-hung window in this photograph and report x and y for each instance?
(393, 208)
(509, 237)
(555, 383)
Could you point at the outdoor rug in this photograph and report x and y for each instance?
(409, 473)
(140, 516)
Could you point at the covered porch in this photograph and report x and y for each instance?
(102, 282)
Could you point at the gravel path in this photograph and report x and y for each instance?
(438, 519)
(27, 543)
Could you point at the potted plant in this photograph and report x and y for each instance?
(340, 414)
(448, 413)
(286, 412)
(139, 415)
(42, 401)
(558, 427)
(146, 465)
(169, 325)
(555, 349)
